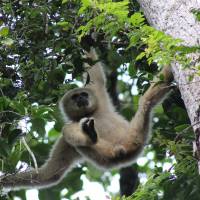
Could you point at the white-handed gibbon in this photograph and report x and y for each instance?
(95, 131)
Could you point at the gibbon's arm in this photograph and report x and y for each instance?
(62, 158)
(96, 73)
(140, 124)
(83, 134)
(80, 133)
(97, 83)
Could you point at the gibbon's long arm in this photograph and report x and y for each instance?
(62, 158)
(80, 133)
(96, 72)
(98, 83)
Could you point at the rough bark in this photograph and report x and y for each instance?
(174, 17)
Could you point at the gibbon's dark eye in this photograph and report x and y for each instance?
(75, 96)
(84, 94)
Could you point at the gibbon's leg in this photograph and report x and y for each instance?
(80, 134)
(100, 154)
(140, 124)
(62, 158)
(107, 150)
(157, 91)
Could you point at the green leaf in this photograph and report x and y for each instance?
(64, 1)
(14, 135)
(7, 42)
(63, 23)
(4, 103)
(4, 31)
(93, 173)
(181, 127)
(190, 77)
(5, 148)
(196, 12)
(86, 3)
(140, 56)
(161, 77)
(38, 125)
(15, 156)
(134, 39)
(53, 133)
(19, 107)
(137, 19)
(132, 69)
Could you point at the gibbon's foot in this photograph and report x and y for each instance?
(89, 129)
(120, 152)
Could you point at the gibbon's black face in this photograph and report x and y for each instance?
(81, 99)
(79, 103)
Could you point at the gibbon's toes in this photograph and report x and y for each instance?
(89, 129)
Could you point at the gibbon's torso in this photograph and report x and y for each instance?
(116, 124)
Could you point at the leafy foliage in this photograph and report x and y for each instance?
(196, 12)
(41, 57)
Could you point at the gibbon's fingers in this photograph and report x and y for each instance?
(62, 158)
(89, 129)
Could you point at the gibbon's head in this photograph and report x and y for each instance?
(78, 103)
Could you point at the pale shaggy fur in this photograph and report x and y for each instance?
(119, 142)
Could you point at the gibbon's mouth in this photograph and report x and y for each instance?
(82, 103)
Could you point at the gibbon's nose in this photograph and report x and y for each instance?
(82, 101)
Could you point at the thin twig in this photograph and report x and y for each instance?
(31, 153)
(10, 111)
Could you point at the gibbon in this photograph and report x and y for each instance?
(94, 131)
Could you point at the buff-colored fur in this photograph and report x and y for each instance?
(119, 142)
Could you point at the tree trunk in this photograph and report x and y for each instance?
(174, 17)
